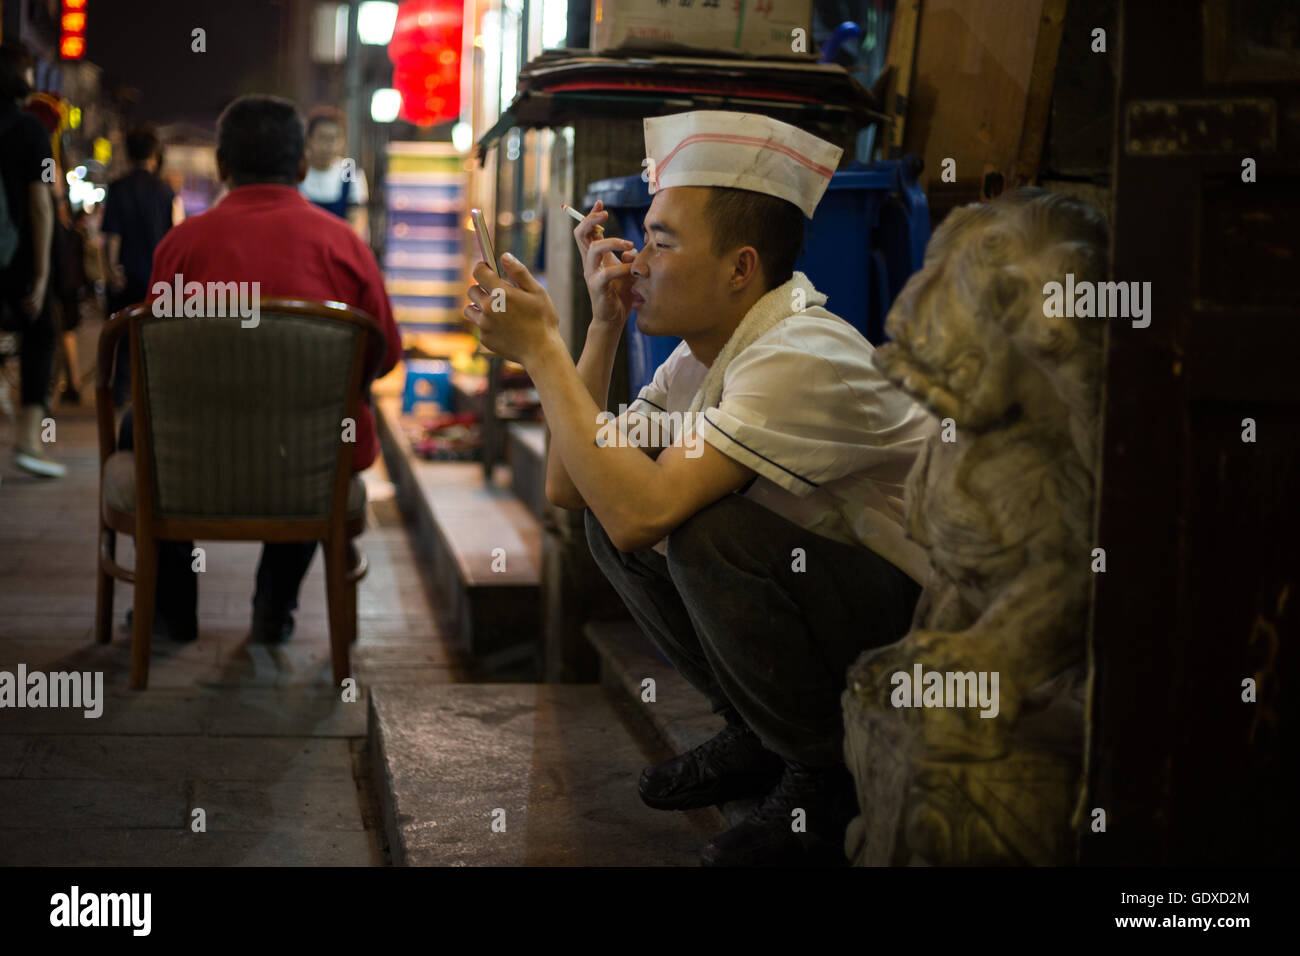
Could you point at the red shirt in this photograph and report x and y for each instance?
(270, 234)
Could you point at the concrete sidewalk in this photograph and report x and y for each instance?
(255, 737)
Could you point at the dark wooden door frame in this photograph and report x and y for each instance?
(1201, 529)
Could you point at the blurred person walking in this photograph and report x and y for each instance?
(67, 272)
(68, 265)
(137, 214)
(26, 233)
(335, 184)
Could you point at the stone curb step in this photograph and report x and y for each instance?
(679, 718)
(517, 775)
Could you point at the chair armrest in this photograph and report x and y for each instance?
(375, 350)
(113, 330)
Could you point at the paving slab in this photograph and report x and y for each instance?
(13, 751)
(221, 711)
(124, 712)
(87, 804)
(164, 758)
(180, 847)
(250, 805)
(289, 712)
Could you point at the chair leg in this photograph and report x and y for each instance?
(342, 611)
(350, 592)
(104, 593)
(146, 580)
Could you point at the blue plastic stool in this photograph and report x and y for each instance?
(427, 380)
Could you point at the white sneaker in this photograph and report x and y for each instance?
(29, 454)
(39, 465)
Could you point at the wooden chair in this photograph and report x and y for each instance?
(239, 435)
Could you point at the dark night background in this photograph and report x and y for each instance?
(145, 46)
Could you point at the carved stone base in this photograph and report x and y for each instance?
(878, 748)
(1012, 810)
(990, 813)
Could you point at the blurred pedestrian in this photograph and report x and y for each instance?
(175, 180)
(87, 221)
(26, 232)
(334, 183)
(68, 260)
(137, 214)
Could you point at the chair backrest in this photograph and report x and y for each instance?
(249, 422)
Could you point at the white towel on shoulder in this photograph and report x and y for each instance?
(775, 306)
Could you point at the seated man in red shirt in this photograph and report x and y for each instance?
(265, 231)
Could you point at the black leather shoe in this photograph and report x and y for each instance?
(731, 765)
(767, 837)
(269, 630)
(181, 628)
(182, 631)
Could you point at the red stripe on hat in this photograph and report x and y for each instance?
(747, 141)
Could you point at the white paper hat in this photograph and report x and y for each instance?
(742, 151)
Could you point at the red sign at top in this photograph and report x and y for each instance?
(72, 27)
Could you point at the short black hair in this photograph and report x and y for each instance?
(142, 143)
(324, 114)
(773, 226)
(261, 138)
(15, 61)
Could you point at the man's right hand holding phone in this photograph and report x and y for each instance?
(607, 268)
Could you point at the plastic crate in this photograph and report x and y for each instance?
(867, 237)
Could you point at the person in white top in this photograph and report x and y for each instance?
(748, 505)
(333, 182)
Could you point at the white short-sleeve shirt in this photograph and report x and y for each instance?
(326, 185)
(830, 438)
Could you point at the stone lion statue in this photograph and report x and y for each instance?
(1002, 499)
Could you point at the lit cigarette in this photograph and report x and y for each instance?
(573, 213)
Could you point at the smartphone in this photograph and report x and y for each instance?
(484, 240)
(488, 255)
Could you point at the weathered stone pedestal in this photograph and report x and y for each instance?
(1002, 499)
(1012, 809)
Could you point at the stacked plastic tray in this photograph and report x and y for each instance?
(425, 262)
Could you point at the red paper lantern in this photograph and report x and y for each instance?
(425, 51)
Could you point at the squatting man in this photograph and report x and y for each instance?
(763, 565)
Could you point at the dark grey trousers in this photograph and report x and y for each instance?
(765, 643)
